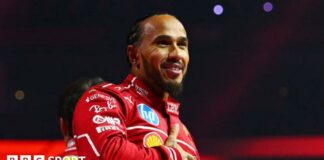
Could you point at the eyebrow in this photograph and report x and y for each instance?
(183, 39)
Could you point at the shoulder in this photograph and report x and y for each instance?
(108, 88)
(106, 95)
(120, 92)
(100, 93)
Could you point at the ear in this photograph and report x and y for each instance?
(64, 128)
(132, 54)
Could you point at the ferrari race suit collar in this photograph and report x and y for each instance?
(170, 106)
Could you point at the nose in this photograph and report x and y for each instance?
(174, 53)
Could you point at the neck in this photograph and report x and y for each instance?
(151, 85)
(165, 96)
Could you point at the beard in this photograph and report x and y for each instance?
(172, 87)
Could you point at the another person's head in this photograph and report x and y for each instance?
(158, 52)
(68, 100)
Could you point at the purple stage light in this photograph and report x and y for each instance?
(218, 9)
(267, 7)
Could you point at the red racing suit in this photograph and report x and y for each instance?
(70, 149)
(127, 122)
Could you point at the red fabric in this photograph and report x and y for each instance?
(70, 149)
(127, 121)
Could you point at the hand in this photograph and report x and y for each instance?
(171, 141)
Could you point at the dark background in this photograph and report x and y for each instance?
(252, 73)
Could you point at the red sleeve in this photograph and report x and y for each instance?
(100, 131)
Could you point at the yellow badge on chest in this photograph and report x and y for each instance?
(152, 139)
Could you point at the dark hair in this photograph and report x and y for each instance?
(134, 35)
(69, 98)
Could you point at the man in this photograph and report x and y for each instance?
(66, 106)
(131, 121)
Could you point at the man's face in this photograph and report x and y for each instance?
(163, 53)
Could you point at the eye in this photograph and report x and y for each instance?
(163, 43)
(182, 45)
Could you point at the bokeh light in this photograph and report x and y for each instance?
(267, 6)
(19, 95)
(218, 9)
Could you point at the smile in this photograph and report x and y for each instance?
(173, 70)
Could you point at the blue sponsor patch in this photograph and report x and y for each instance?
(148, 114)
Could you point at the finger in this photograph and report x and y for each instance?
(174, 131)
(185, 155)
(172, 138)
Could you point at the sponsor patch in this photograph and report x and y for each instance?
(98, 95)
(98, 119)
(129, 99)
(148, 114)
(152, 139)
(141, 91)
(173, 108)
(107, 128)
(111, 103)
(97, 108)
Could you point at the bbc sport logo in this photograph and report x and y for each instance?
(42, 157)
